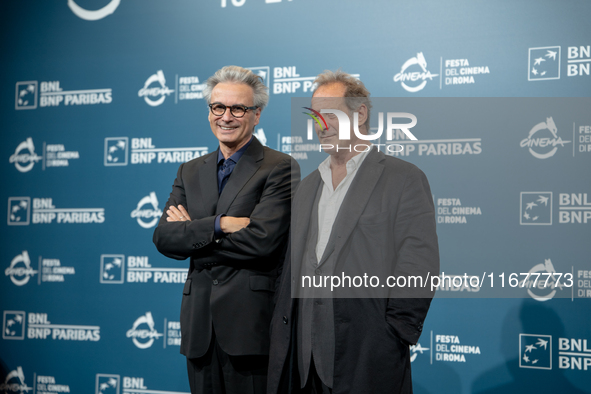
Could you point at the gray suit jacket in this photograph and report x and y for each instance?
(386, 225)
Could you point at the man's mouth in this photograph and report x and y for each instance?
(227, 128)
(326, 135)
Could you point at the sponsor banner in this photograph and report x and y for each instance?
(155, 90)
(51, 94)
(21, 270)
(15, 382)
(118, 152)
(420, 71)
(52, 155)
(44, 212)
(147, 212)
(286, 80)
(536, 208)
(544, 63)
(539, 351)
(40, 327)
(115, 384)
(446, 348)
(116, 269)
(451, 211)
(144, 332)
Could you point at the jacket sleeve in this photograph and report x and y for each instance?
(269, 221)
(417, 254)
(179, 240)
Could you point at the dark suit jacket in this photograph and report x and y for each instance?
(230, 284)
(386, 217)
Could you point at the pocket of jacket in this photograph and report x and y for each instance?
(373, 219)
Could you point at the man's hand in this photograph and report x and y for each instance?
(230, 224)
(179, 214)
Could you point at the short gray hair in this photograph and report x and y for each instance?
(356, 93)
(237, 74)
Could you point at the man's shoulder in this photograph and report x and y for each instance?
(398, 165)
(196, 162)
(274, 155)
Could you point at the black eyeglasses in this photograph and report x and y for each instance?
(237, 111)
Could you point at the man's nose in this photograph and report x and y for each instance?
(227, 116)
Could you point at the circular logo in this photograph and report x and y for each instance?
(20, 275)
(137, 335)
(93, 15)
(143, 216)
(544, 288)
(155, 95)
(24, 157)
(543, 147)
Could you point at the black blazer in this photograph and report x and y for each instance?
(230, 284)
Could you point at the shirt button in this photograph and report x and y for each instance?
(215, 282)
(284, 319)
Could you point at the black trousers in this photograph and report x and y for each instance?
(219, 373)
(314, 385)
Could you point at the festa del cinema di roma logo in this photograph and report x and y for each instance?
(420, 77)
(345, 128)
(24, 157)
(139, 335)
(20, 270)
(154, 95)
(147, 217)
(543, 140)
(93, 15)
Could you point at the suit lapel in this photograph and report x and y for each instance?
(302, 215)
(354, 202)
(208, 181)
(246, 167)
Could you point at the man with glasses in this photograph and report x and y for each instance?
(229, 212)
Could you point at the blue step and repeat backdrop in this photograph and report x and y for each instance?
(101, 100)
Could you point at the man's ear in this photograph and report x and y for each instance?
(362, 110)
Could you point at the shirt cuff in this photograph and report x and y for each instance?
(217, 229)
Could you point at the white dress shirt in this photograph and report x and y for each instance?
(331, 199)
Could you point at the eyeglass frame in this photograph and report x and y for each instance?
(244, 107)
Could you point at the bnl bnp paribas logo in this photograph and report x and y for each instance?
(13, 325)
(544, 62)
(535, 352)
(543, 140)
(147, 212)
(15, 382)
(112, 384)
(536, 208)
(51, 94)
(143, 332)
(118, 152)
(414, 75)
(107, 384)
(44, 211)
